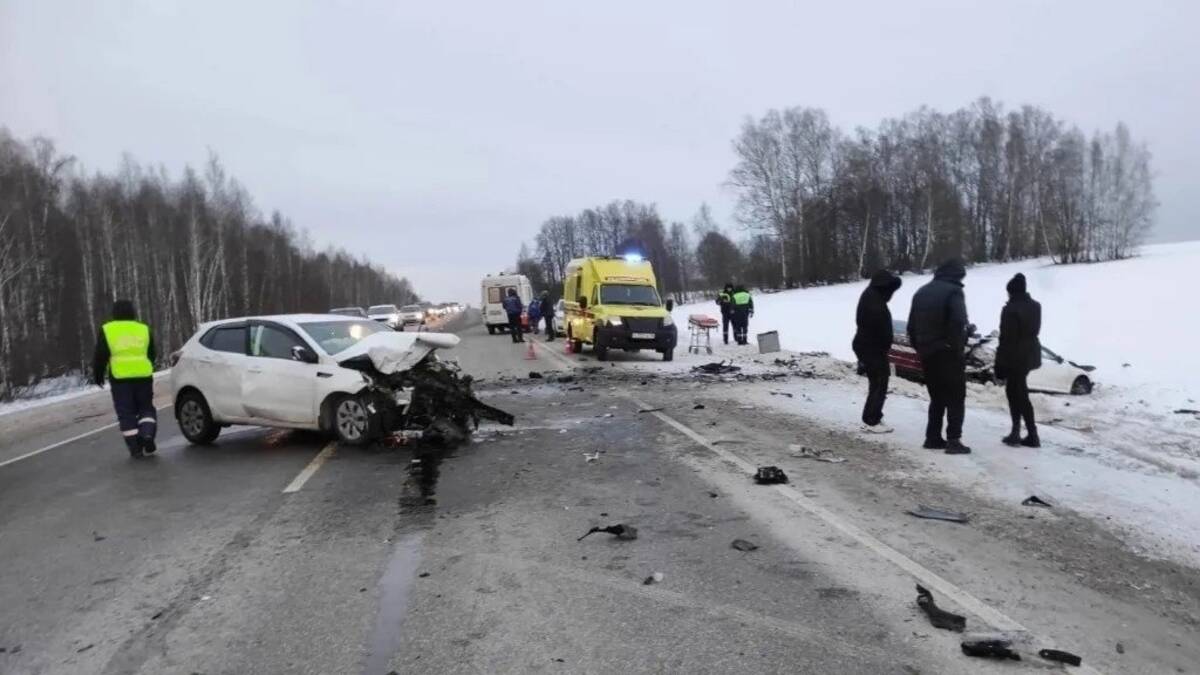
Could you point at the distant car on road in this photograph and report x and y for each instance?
(1056, 376)
(412, 315)
(350, 311)
(387, 314)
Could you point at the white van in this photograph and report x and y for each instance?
(493, 290)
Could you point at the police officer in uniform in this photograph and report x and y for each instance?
(125, 356)
(725, 302)
(743, 309)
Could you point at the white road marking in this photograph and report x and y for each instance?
(302, 478)
(61, 443)
(994, 617)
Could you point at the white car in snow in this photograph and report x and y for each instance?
(412, 315)
(288, 371)
(1056, 376)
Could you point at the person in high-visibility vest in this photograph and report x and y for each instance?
(125, 357)
(743, 309)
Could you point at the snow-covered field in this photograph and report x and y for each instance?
(1122, 454)
(51, 390)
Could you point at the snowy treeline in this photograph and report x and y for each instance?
(184, 250)
(820, 205)
(977, 183)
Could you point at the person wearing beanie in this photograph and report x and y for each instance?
(938, 330)
(1019, 352)
(124, 355)
(872, 341)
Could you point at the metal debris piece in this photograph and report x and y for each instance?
(620, 531)
(804, 452)
(698, 406)
(770, 475)
(1034, 500)
(743, 545)
(990, 648)
(593, 457)
(717, 368)
(655, 578)
(1061, 657)
(939, 617)
(932, 513)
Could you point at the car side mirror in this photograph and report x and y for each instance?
(303, 354)
(670, 304)
(582, 302)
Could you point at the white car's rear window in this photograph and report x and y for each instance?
(336, 336)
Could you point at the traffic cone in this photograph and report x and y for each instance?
(531, 355)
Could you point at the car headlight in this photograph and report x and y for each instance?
(668, 321)
(614, 321)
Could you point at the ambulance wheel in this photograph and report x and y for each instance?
(668, 355)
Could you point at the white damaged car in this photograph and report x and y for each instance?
(351, 377)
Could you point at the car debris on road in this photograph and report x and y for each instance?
(989, 647)
(1034, 500)
(743, 545)
(620, 531)
(804, 452)
(939, 617)
(1061, 657)
(770, 475)
(933, 513)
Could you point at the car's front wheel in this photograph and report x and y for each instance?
(1082, 386)
(195, 419)
(353, 423)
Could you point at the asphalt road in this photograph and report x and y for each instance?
(221, 560)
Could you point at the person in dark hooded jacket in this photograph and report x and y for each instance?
(937, 330)
(872, 341)
(725, 303)
(1018, 353)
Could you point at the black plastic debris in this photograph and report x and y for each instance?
(423, 574)
(535, 375)
(566, 379)
(1187, 411)
(939, 617)
(743, 545)
(990, 648)
(698, 406)
(650, 410)
(620, 531)
(932, 513)
(716, 368)
(1034, 500)
(770, 475)
(1060, 656)
(655, 578)
(84, 648)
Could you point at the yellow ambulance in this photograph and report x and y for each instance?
(613, 303)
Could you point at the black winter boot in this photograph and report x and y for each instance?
(1031, 441)
(955, 447)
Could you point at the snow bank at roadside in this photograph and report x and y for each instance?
(46, 392)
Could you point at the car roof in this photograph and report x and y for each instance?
(281, 318)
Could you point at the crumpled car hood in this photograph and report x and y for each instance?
(391, 352)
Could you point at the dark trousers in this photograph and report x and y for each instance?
(726, 319)
(741, 325)
(878, 372)
(1016, 388)
(946, 380)
(133, 401)
(549, 328)
(514, 328)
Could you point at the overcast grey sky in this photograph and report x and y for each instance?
(433, 137)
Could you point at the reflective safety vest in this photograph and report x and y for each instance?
(724, 298)
(128, 349)
(741, 298)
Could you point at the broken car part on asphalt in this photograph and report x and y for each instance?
(743, 545)
(1061, 657)
(717, 368)
(1034, 500)
(803, 452)
(655, 578)
(620, 531)
(939, 617)
(770, 475)
(932, 513)
(990, 648)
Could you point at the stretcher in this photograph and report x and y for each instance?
(700, 327)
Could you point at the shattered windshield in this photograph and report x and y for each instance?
(337, 336)
(628, 294)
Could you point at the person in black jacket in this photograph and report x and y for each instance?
(1018, 353)
(547, 308)
(937, 330)
(871, 343)
(725, 303)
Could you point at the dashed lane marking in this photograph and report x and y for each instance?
(308, 471)
(67, 441)
(994, 617)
